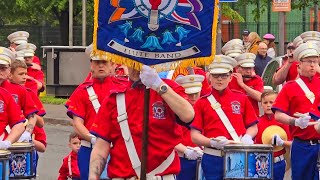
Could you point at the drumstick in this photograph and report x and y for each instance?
(230, 141)
(313, 123)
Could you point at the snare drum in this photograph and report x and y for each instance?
(4, 164)
(21, 161)
(248, 161)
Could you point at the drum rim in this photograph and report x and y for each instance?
(21, 145)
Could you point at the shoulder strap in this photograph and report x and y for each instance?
(93, 98)
(309, 94)
(217, 107)
(126, 134)
(69, 166)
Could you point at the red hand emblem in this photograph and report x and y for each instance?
(155, 4)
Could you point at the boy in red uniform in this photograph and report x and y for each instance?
(224, 115)
(245, 81)
(298, 97)
(35, 75)
(18, 76)
(189, 152)
(69, 168)
(120, 117)
(279, 166)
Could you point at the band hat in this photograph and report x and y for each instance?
(89, 53)
(297, 41)
(20, 55)
(268, 134)
(267, 89)
(191, 83)
(246, 60)
(306, 50)
(6, 56)
(222, 64)
(19, 37)
(233, 48)
(28, 49)
(310, 36)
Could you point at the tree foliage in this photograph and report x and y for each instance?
(230, 13)
(263, 5)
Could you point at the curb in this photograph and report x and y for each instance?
(57, 121)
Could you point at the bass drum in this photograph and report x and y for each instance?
(269, 71)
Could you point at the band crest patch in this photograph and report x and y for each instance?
(236, 106)
(158, 110)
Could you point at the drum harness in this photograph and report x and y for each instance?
(132, 152)
(226, 122)
(96, 105)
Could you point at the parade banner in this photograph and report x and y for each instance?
(153, 32)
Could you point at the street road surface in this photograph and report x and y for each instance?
(57, 149)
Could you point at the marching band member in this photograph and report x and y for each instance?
(189, 152)
(35, 75)
(289, 69)
(279, 166)
(298, 97)
(120, 122)
(21, 37)
(85, 103)
(10, 112)
(24, 101)
(246, 81)
(218, 114)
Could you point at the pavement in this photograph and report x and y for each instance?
(56, 114)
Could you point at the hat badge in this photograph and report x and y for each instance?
(310, 45)
(247, 56)
(20, 34)
(313, 34)
(233, 47)
(218, 59)
(28, 46)
(1, 50)
(191, 79)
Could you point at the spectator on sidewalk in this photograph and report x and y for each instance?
(254, 40)
(262, 58)
(269, 40)
(245, 39)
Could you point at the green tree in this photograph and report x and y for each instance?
(56, 12)
(263, 5)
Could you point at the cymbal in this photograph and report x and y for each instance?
(269, 132)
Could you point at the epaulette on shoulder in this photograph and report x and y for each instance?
(85, 84)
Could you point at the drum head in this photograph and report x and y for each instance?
(4, 152)
(21, 144)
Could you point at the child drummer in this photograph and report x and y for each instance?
(267, 124)
(221, 106)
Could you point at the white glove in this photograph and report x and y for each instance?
(25, 137)
(192, 154)
(5, 144)
(302, 122)
(277, 141)
(246, 139)
(219, 143)
(150, 78)
(93, 139)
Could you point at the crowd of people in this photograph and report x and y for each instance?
(194, 114)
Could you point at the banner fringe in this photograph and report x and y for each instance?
(183, 63)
